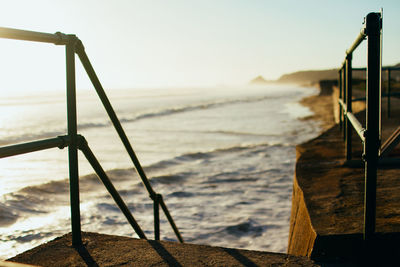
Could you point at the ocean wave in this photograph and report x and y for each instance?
(180, 194)
(195, 156)
(133, 118)
(182, 109)
(7, 215)
(44, 198)
(171, 178)
(248, 227)
(235, 133)
(242, 229)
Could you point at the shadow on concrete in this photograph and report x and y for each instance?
(86, 257)
(164, 254)
(239, 257)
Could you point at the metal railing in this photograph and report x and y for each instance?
(370, 135)
(388, 94)
(74, 141)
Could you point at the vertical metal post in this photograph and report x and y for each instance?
(72, 148)
(348, 140)
(340, 97)
(372, 135)
(344, 99)
(156, 204)
(388, 92)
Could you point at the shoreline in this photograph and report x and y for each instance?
(321, 105)
(325, 105)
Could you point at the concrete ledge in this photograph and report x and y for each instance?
(301, 236)
(328, 193)
(13, 264)
(108, 250)
(327, 208)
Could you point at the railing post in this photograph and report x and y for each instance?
(388, 92)
(156, 204)
(348, 129)
(340, 97)
(372, 134)
(72, 148)
(344, 101)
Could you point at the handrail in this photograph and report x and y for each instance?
(354, 121)
(18, 149)
(390, 143)
(388, 93)
(343, 105)
(57, 38)
(383, 68)
(360, 38)
(371, 134)
(357, 125)
(75, 141)
(62, 142)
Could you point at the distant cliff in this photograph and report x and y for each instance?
(259, 80)
(300, 77)
(307, 77)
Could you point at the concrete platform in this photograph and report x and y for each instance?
(108, 250)
(328, 198)
(13, 264)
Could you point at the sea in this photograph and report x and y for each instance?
(222, 157)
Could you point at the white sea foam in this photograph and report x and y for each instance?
(223, 160)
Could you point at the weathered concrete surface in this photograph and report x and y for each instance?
(108, 250)
(13, 264)
(328, 195)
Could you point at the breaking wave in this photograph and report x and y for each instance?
(45, 197)
(134, 118)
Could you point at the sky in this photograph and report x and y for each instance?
(186, 43)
